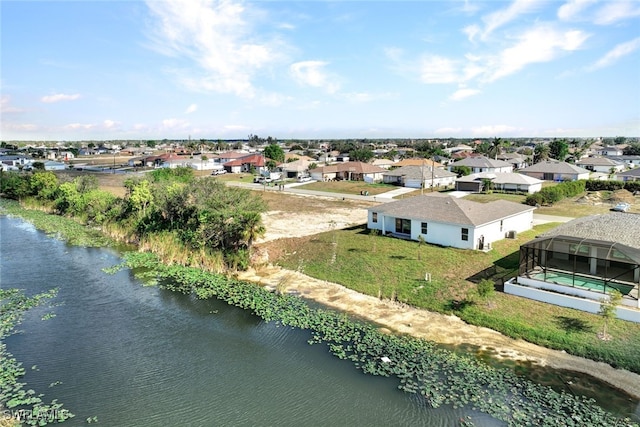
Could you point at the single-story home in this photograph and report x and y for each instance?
(579, 263)
(479, 164)
(295, 169)
(349, 171)
(246, 163)
(630, 160)
(417, 162)
(501, 181)
(419, 177)
(610, 151)
(383, 163)
(630, 175)
(449, 221)
(600, 164)
(553, 170)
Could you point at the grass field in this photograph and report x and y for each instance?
(349, 187)
(395, 269)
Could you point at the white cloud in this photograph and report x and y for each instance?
(191, 109)
(623, 49)
(59, 97)
(497, 19)
(110, 124)
(463, 93)
(311, 73)
(217, 36)
(437, 69)
(539, 44)
(174, 124)
(572, 8)
(489, 130)
(614, 11)
(78, 126)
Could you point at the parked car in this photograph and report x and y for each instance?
(621, 207)
(304, 179)
(219, 172)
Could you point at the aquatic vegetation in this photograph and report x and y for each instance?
(23, 404)
(439, 376)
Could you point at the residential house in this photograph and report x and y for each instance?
(553, 170)
(419, 177)
(15, 163)
(417, 162)
(630, 175)
(449, 221)
(350, 171)
(580, 262)
(479, 164)
(246, 163)
(629, 160)
(508, 181)
(295, 169)
(384, 163)
(600, 164)
(610, 151)
(516, 160)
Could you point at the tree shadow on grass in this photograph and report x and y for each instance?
(500, 271)
(458, 305)
(570, 324)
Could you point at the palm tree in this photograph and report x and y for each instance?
(541, 153)
(496, 148)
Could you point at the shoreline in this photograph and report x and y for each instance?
(436, 327)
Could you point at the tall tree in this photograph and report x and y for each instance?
(558, 149)
(495, 148)
(274, 152)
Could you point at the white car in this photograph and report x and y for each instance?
(621, 207)
(304, 179)
(219, 172)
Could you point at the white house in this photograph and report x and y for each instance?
(479, 164)
(419, 177)
(600, 164)
(579, 263)
(449, 221)
(501, 181)
(610, 151)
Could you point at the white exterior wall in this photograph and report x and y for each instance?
(531, 290)
(451, 234)
(527, 188)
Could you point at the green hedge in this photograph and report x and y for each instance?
(595, 185)
(550, 195)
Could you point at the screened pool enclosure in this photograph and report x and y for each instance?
(580, 263)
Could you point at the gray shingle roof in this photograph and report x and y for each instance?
(549, 166)
(450, 210)
(618, 227)
(632, 172)
(597, 161)
(481, 162)
(414, 172)
(501, 178)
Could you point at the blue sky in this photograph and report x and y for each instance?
(75, 70)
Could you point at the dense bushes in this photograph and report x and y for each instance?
(206, 215)
(596, 185)
(550, 195)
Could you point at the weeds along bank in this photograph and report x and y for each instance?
(439, 377)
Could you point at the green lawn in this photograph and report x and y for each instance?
(393, 268)
(349, 187)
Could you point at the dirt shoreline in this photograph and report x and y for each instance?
(440, 328)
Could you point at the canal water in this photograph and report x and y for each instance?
(132, 355)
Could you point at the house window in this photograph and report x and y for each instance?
(374, 216)
(423, 228)
(465, 234)
(501, 224)
(403, 226)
